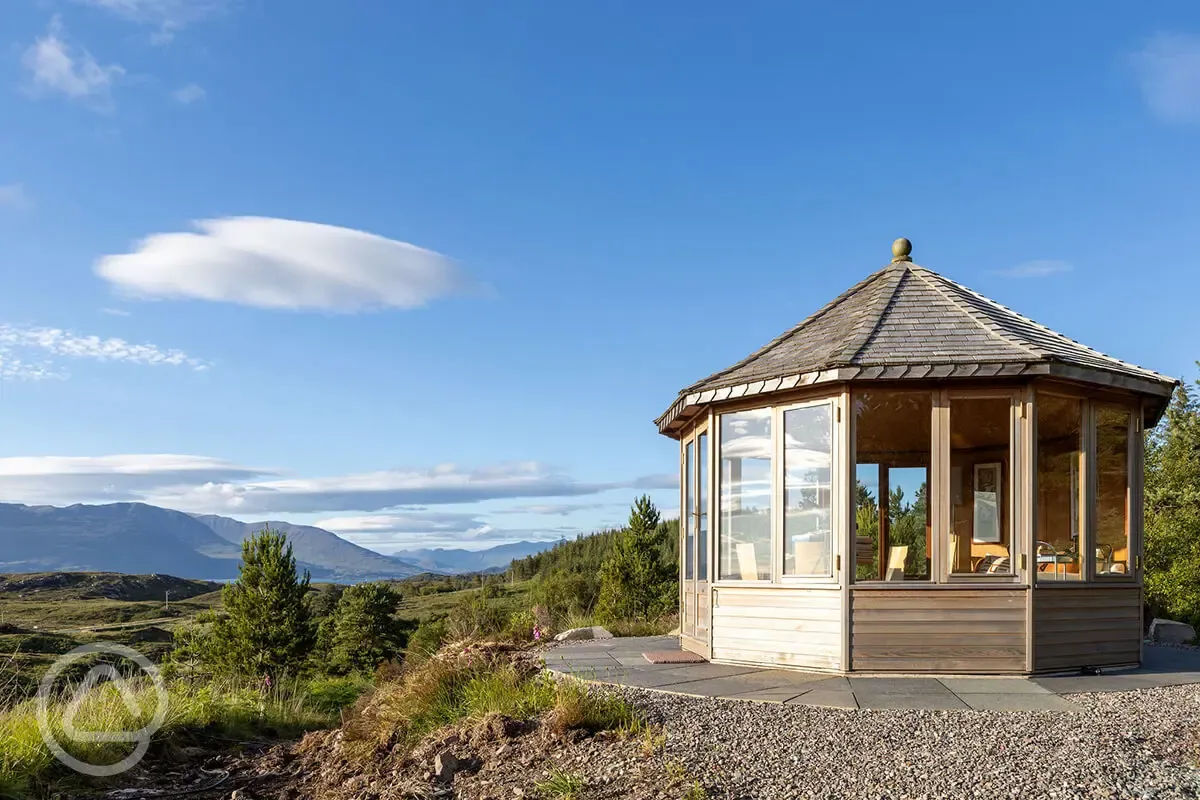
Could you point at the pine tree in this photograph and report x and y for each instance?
(634, 581)
(266, 630)
(365, 630)
(1172, 517)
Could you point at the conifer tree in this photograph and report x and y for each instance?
(635, 583)
(266, 630)
(365, 630)
(1172, 517)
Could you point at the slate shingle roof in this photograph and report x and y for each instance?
(906, 321)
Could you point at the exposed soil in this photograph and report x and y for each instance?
(495, 759)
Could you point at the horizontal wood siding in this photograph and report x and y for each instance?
(939, 630)
(1092, 626)
(778, 627)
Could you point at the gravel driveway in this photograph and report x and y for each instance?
(1140, 744)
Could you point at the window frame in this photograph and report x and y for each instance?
(936, 473)
(1132, 495)
(779, 491)
(689, 500)
(1016, 482)
(1088, 477)
(837, 399)
(716, 474)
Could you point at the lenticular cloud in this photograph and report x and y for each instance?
(284, 264)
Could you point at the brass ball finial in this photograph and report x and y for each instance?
(901, 250)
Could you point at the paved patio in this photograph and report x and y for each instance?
(620, 661)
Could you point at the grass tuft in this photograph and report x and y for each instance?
(561, 784)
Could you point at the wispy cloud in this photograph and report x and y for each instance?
(187, 95)
(1036, 269)
(1168, 69)
(209, 485)
(18, 343)
(284, 264)
(55, 67)
(70, 479)
(13, 195)
(115, 312)
(552, 509)
(168, 17)
(387, 489)
(387, 533)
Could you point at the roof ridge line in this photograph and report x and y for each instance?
(1051, 331)
(986, 324)
(813, 317)
(878, 309)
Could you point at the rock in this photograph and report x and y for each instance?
(1168, 631)
(444, 766)
(581, 634)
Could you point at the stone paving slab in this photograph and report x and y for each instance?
(1004, 686)
(1017, 702)
(620, 661)
(924, 700)
(898, 686)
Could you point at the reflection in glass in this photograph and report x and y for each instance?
(744, 523)
(702, 509)
(807, 501)
(980, 482)
(689, 520)
(893, 444)
(1111, 552)
(1059, 489)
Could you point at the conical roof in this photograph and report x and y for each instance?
(908, 322)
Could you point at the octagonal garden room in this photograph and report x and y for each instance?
(915, 479)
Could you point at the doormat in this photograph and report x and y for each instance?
(673, 657)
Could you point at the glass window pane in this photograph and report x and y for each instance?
(1111, 553)
(744, 524)
(689, 519)
(702, 509)
(1059, 488)
(892, 439)
(807, 501)
(980, 485)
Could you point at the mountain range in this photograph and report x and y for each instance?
(141, 538)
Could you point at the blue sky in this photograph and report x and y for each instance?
(426, 272)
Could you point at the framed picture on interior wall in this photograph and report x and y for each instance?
(986, 519)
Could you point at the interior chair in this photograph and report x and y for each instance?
(747, 561)
(895, 565)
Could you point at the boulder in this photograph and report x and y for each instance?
(1166, 631)
(580, 634)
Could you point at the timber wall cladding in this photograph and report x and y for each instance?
(938, 630)
(785, 627)
(1092, 626)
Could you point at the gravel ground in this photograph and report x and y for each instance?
(1141, 744)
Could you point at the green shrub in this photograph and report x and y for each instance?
(426, 640)
(329, 695)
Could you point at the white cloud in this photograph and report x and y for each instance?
(552, 509)
(387, 533)
(384, 489)
(71, 479)
(186, 95)
(208, 485)
(1168, 70)
(115, 312)
(55, 67)
(13, 195)
(17, 343)
(283, 264)
(167, 16)
(1036, 269)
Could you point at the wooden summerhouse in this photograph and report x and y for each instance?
(915, 479)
